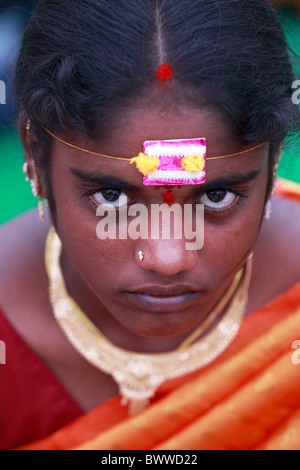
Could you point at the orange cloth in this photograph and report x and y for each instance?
(247, 399)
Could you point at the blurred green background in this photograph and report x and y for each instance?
(15, 193)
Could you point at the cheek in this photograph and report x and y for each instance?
(100, 263)
(97, 261)
(229, 243)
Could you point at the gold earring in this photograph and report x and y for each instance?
(268, 210)
(26, 172)
(35, 184)
(268, 206)
(36, 189)
(41, 210)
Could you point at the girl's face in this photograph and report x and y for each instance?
(172, 289)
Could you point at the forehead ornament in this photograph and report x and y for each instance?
(168, 162)
(172, 162)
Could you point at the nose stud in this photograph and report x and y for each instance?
(141, 255)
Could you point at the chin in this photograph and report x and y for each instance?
(164, 325)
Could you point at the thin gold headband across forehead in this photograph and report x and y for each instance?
(168, 162)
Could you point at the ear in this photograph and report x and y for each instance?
(32, 152)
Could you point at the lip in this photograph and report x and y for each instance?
(159, 299)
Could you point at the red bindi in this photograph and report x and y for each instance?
(169, 197)
(164, 73)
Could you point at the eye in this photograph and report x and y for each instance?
(108, 198)
(220, 199)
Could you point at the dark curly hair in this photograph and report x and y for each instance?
(82, 59)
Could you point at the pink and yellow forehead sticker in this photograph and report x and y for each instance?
(173, 162)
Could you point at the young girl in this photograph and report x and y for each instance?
(116, 336)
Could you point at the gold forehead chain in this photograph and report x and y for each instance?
(122, 158)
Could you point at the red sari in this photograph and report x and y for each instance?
(33, 403)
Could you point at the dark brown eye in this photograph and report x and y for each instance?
(110, 198)
(216, 196)
(111, 195)
(220, 199)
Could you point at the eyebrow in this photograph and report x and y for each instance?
(112, 181)
(241, 178)
(102, 180)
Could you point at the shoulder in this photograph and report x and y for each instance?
(22, 271)
(283, 231)
(276, 266)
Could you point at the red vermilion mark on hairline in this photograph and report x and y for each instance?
(164, 74)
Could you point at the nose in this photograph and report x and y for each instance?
(166, 257)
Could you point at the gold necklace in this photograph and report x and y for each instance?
(139, 375)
